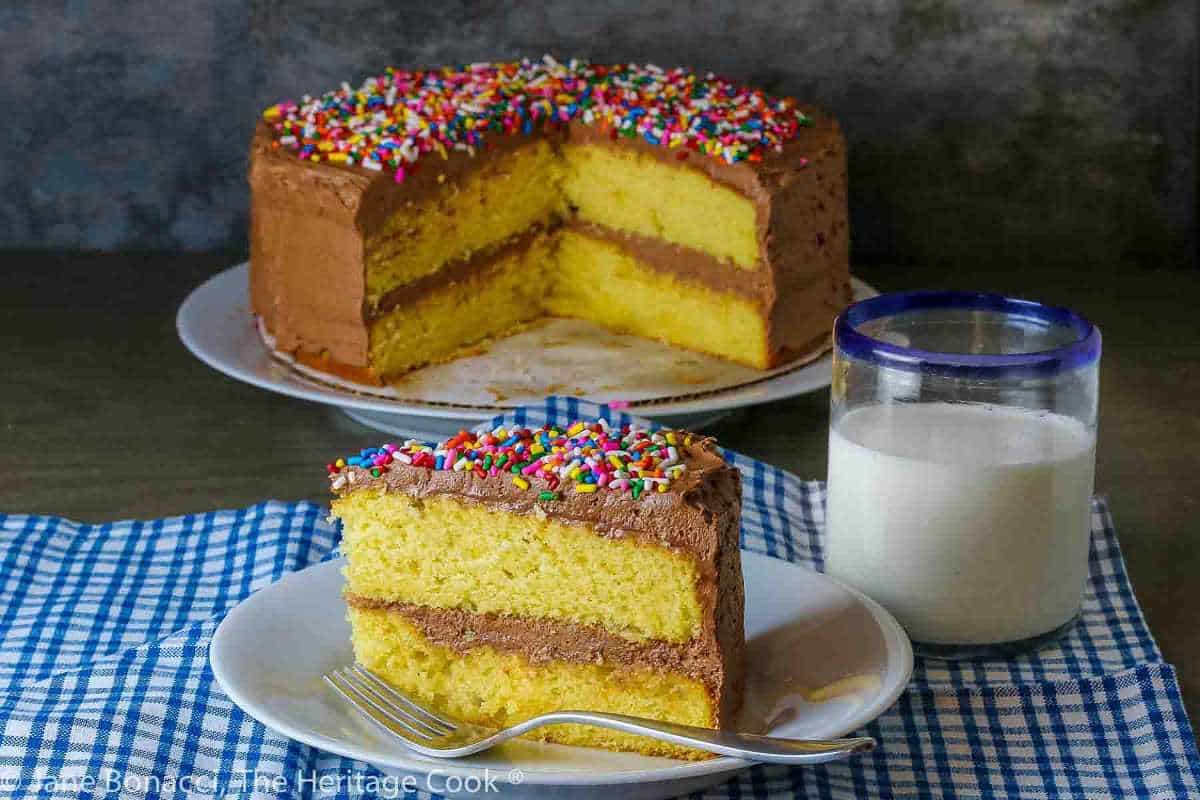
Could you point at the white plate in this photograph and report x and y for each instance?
(215, 323)
(805, 633)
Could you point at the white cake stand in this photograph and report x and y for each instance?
(559, 357)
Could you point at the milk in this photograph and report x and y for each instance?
(969, 522)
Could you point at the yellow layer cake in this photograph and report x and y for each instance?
(501, 575)
(375, 210)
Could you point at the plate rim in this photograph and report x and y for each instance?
(896, 646)
(187, 325)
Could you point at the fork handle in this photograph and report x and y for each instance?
(748, 746)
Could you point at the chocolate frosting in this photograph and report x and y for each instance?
(698, 515)
(311, 224)
(679, 518)
(306, 253)
(543, 640)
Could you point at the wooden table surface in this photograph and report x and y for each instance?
(104, 415)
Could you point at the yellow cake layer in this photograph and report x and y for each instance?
(598, 281)
(630, 191)
(495, 688)
(501, 199)
(445, 552)
(440, 324)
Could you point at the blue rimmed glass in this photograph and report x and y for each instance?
(961, 460)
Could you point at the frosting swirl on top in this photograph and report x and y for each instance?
(392, 120)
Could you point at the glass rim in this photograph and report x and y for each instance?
(1082, 350)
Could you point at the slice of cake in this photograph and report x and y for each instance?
(501, 575)
(396, 223)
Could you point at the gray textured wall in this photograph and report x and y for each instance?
(1030, 133)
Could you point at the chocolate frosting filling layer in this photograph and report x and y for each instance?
(684, 263)
(544, 640)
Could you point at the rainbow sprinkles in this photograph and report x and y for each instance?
(392, 120)
(585, 457)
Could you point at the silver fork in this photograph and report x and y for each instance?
(437, 735)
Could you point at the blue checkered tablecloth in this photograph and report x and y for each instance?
(105, 689)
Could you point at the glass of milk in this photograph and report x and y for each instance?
(961, 453)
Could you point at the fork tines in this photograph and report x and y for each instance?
(387, 705)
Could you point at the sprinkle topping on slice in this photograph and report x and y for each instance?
(584, 457)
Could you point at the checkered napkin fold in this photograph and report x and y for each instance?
(105, 689)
